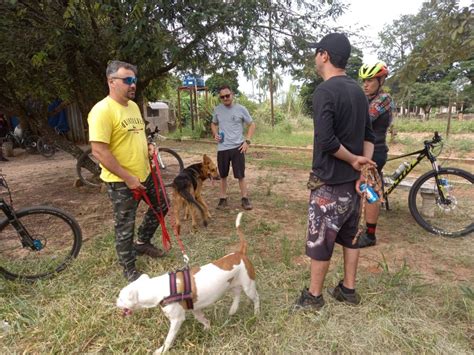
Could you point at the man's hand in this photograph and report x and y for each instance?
(134, 183)
(358, 182)
(360, 161)
(243, 148)
(152, 148)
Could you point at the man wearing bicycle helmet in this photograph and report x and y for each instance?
(380, 112)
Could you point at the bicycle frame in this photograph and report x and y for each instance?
(422, 153)
(18, 141)
(26, 238)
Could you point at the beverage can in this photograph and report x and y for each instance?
(221, 135)
(371, 195)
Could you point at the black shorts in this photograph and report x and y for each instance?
(225, 157)
(380, 158)
(333, 217)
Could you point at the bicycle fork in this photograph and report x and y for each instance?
(442, 184)
(27, 241)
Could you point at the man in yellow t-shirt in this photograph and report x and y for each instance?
(118, 139)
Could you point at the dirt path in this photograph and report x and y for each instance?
(35, 180)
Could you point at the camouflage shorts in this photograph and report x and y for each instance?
(125, 209)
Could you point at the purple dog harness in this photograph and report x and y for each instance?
(179, 294)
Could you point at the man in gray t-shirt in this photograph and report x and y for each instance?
(228, 121)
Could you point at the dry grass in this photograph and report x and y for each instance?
(416, 289)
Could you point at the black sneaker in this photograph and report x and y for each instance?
(366, 240)
(222, 204)
(149, 249)
(246, 203)
(308, 301)
(131, 274)
(341, 296)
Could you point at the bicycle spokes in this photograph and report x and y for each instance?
(442, 202)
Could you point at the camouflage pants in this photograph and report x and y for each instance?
(125, 210)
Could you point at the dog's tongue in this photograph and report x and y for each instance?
(126, 312)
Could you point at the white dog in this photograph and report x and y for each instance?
(209, 282)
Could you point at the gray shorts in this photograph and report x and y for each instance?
(333, 217)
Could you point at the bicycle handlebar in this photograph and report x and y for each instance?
(436, 139)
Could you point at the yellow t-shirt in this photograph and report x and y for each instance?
(123, 128)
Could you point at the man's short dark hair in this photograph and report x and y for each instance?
(225, 86)
(337, 60)
(115, 65)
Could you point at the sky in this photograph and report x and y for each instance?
(357, 15)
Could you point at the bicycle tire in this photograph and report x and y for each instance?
(87, 177)
(10, 138)
(455, 218)
(45, 147)
(61, 240)
(171, 165)
(31, 144)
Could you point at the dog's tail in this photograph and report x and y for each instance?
(190, 198)
(243, 243)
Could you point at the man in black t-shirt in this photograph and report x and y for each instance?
(343, 144)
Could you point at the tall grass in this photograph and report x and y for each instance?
(403, 124)
(416, 288)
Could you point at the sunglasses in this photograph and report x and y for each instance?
(129, 80)
(225, 96)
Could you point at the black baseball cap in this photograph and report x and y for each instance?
(334, 43)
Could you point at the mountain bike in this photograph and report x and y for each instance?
(46, 146)
(36, 242)
(28, 142)
(171, 164)
(441, 200)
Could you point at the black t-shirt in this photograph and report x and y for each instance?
(341, 116)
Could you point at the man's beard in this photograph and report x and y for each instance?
(131, 95)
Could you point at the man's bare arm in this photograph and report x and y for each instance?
(102, 152)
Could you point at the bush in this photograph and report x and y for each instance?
(263, 114)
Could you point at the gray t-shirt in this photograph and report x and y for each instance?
(231, 121)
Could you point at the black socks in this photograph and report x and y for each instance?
(371, 227)
(345, 289)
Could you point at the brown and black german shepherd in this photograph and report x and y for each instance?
(187, 191)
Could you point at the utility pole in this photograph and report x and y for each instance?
(270, 63)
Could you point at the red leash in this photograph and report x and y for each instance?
(159, 185)
(165, 237)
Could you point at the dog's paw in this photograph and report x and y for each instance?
(207, 325)
(159, 351)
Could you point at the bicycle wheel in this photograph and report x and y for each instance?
(88, 169)
(171, 165)
(57, 235)
(31, 144)
(46, 147)
(452, 216)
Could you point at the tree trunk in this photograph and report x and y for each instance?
(449, 118)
